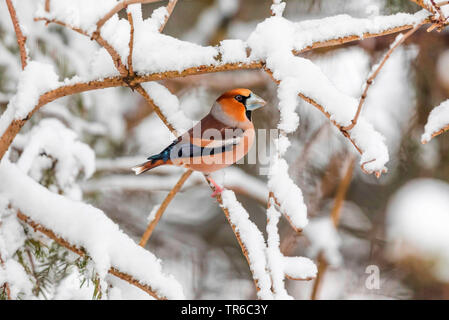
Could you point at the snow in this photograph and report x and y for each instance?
(277, 8)
(36, 79)
(87, 227)
(233, 51)
(158, 17)
(101, 65)
(299, 268)
(323, 239)
(287, 193)
(51, 139)
(417, 220)
(12, 236)
(171, 54)
(82, 14)
(438, 120)
(300, 35)
(253, 241)
(117, 32)
(273, 41)
(274, 256)
(372, 143)
(13, 273)
(279, 265)
(69, 288)
(444, 8)
(348, 69)
(169, 106)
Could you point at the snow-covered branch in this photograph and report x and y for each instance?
(84, 229)
(134, 53)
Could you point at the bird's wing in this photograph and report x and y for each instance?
(207, 137)
(210, 132)
(189, 150)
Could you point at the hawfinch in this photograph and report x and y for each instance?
(220, 139)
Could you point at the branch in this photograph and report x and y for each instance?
(99, 39)
(163, 207)
(437, 122)
(158, 111)
(21, 39)
(117, 8)
(322, 266)
(131, 45)
(352, 38)
(170, 7)
(423, 5)
(167, 200)
(237, 235)
(341, 191)
(374, 74)
(328, 115)
(80, 251)
(15, 126)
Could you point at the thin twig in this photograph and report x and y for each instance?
(80, 251)
(47, 5)
(118, 81)
(422, 4)
(16, 125)
(438, 9)
(21, 39)
(117, 8)
(131, 44)
(341, 191)
(437, 133)
(116, 59)
(327, 114)
(351, 38)
(236, 232)
(158, 111)
(163, 207)
(373, 76)
(170, 7)
(322, 266)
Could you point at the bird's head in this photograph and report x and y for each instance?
(239, 103)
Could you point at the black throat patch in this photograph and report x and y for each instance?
(248, 114)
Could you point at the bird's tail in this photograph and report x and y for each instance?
(150, 164)
(155, 161)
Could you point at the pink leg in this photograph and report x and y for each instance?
(218, 190)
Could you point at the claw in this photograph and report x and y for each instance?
(217, 189)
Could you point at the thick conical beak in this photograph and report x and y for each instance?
(254, 102)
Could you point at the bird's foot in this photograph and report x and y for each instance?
(217, 189)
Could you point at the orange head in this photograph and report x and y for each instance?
(239, 103)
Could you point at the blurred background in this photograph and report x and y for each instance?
(397, 223)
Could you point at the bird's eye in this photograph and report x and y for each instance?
(239, 98)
